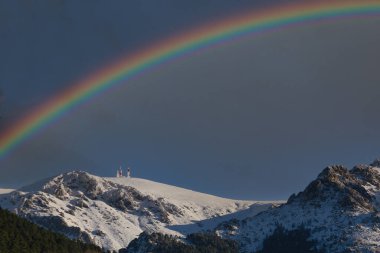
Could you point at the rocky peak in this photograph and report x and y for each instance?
(333, 172)
(376, 163)
(368, 174)
(80, 186)
(75, 183)
(342, 186)
(340, 208)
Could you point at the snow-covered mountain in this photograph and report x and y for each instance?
(111, 212)
(341, 209)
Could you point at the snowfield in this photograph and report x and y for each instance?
(111, 212)
(4, 191)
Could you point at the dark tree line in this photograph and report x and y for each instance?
(289, 241)
(196, 243)
(18, 235)
(281, 241)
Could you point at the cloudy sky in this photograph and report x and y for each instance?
(255, 119)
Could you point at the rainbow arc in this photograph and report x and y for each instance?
(270, 19)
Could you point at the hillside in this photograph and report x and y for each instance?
(18, 235)
(340, 210)
(111, 212)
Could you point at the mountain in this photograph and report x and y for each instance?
(337, 212)
(18, 235)
(111, 212)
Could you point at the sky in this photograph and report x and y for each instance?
(255, 119)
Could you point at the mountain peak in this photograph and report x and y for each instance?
(342, 186)
(340, 209)
(376, 163)
(111, 212)
(75, 183)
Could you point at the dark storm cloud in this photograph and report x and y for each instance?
(47, 45)
(254, 119)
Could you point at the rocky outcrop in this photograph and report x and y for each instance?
(339, 184)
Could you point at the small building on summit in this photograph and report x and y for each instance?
(119, 172)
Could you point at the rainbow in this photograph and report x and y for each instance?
(256, 22)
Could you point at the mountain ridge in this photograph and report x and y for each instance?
(111, 212)
(340, 209)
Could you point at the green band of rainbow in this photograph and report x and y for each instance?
(255, 22)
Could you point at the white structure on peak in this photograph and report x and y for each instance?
(119, 172)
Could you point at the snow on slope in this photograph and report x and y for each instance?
(4, 191)
(173, 193)
(113, 211)
(341, 208)
(206, 209)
